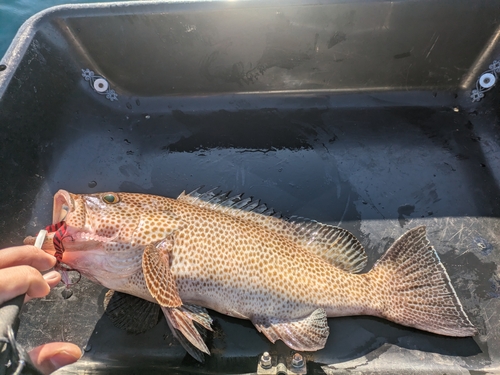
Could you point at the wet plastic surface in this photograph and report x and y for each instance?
(342, 113)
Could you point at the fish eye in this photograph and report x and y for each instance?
(110, 198)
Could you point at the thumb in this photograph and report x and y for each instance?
(52, 356)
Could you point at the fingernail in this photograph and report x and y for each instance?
(63, 358)
(52, 275)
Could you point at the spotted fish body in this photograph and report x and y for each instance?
(286, 276)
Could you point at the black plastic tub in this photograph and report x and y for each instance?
(377, 116)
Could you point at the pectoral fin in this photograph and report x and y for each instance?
(181, 318)
(159, 280)
(133, 314)
(307, 334)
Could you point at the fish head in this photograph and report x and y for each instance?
(94, 220)
(100, 237)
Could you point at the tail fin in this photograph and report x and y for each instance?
(419, 292)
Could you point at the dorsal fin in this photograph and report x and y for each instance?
(335, 245)
(222, 202)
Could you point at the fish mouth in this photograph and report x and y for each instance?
(71, 209)
(63, 203)
(78, 233)
(78, 241)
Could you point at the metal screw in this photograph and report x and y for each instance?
(297, 360)
(265, 361)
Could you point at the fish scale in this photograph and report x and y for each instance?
(257, 250)
(285, 275)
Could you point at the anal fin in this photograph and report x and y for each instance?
(306, 334)
(133, 314)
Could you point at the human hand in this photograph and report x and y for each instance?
(20, 274)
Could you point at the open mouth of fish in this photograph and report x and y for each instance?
(71, 229)
(63, 203)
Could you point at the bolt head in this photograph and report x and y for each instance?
(297, 360)
(265, 361)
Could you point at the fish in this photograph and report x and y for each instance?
(238, 257)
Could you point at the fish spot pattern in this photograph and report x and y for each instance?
(239, 264)
(228, 262)
(246, 265)
(333, 244)
(159, 279)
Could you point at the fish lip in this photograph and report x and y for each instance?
(63, 204)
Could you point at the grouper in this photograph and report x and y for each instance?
(235, 256)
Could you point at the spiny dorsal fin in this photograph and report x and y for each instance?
(223, 201)
(335, 245)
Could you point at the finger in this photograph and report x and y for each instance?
(50, 357)
(18, 280)
(26, 255)
(52, 278)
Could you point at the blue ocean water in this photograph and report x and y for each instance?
(14, 12)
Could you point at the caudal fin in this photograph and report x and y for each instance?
(417, 290)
